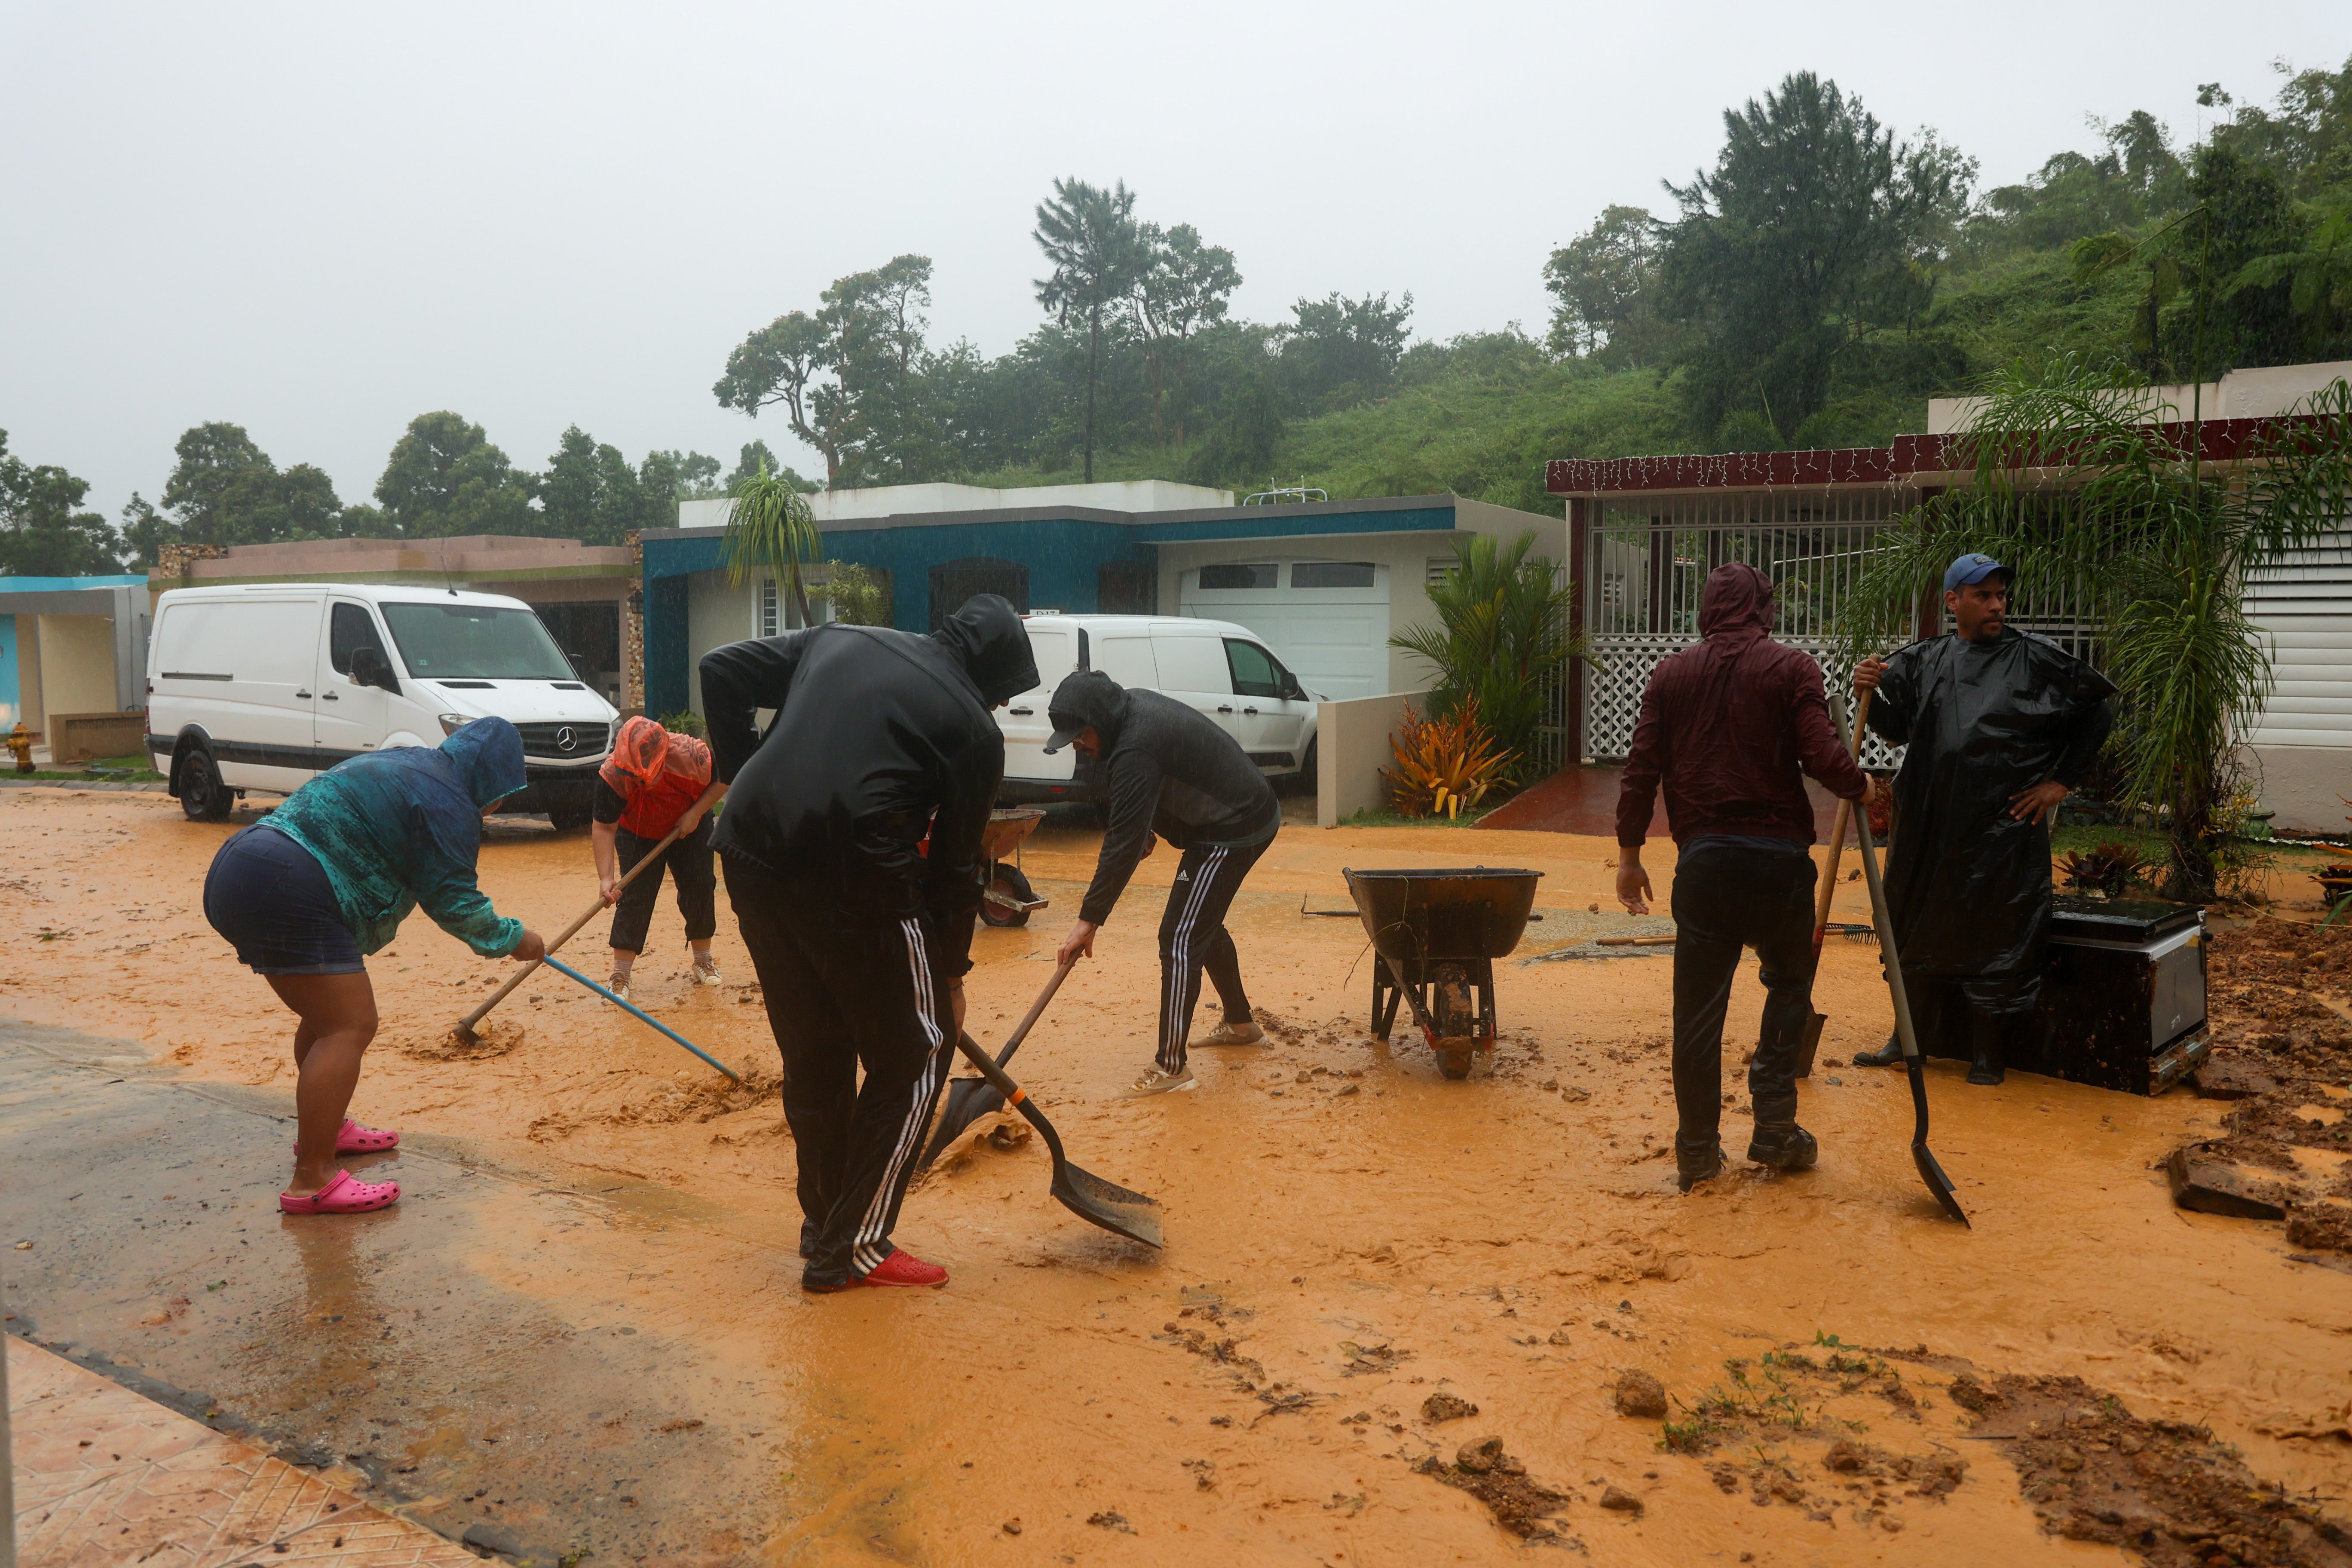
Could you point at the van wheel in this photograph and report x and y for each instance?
(202, 795)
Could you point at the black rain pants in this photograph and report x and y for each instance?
(846, 991)
(1727, 896)
(687, 860)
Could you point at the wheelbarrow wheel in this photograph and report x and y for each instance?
(1458, 1020)
(1008, 882)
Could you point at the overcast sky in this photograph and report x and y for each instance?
(319, 221)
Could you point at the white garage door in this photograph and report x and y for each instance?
(1328, 620)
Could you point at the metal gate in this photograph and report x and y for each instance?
(1648, 558)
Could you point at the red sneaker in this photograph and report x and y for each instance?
(903, 1268)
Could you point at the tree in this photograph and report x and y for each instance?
(1501, 636)
(1606, 281)
(1815, 229)
(2085, 492)
(756, 456)
(1342, 352)
(1091, 239)
(779, 364)
(673, 476)
(146, 531)
(223, 490)
(590, 492)
(1181, 286)
(445, 478)
(44, 532)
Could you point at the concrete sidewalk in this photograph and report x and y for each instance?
(106, 1476)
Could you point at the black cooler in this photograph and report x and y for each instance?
(2123, 994)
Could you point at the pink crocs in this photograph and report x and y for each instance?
(344, 1195)
(355, 1139)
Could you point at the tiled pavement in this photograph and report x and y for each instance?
(106, 1477)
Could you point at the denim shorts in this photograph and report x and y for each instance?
(271, 899)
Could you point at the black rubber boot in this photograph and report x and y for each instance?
(1785, 1147)
(1984, 1043)
(1697, 1163)
(1889, 1054)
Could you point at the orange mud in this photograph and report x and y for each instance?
(1348, 1235)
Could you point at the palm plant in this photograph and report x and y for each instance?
(2079, 487)
(769, 528)
(1501, 636)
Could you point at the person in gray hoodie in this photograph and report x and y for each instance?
(1170, 772)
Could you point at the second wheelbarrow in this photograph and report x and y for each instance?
(1437, 934)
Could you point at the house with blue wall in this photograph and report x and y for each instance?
(1325, 582)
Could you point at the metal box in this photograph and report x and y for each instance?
(2123, 994)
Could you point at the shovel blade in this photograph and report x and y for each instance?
(1938, 1183)
(968, 1100)
(1107, 1204)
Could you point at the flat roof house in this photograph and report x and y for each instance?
(1643, 533)
(1326, 583)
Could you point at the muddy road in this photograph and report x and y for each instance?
(581, 1329)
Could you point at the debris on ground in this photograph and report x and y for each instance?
(2164, 1489)
(1526, 1508)
(1446, 1407)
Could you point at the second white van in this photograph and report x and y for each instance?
(1220, 668)
(267, 686)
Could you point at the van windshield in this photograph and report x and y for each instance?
(474, 642)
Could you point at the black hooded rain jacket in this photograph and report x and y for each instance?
(879, 737)
(1168, 769)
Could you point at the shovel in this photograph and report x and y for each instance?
(1092, 1199)
(465, 1029)
(1811, 1043)
(969, 1098)
(1929, 1171)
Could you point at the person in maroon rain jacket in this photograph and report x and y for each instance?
(1726, 727)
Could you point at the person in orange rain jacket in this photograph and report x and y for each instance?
(654, 781)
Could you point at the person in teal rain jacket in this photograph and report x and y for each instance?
(307, 891)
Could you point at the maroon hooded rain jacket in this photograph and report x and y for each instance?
(1727, 726)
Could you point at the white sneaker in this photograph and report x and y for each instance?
(619, 986)
(1231, 1035)
(1156, 1081)
(707, 973)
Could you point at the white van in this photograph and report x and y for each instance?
(1221, 669)
(268, 686)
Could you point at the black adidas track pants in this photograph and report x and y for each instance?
(1192, 937)
(845, 991)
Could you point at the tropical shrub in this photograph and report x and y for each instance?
(1501, 638)
(1443, 766)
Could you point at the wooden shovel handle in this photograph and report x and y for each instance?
(520, 975)
(1822, 895)
(1036, 1011)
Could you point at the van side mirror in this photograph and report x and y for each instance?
(369, 667)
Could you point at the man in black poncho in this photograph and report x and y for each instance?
(861, 935)
(1999, 726)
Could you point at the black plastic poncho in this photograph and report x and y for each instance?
(1968, 885)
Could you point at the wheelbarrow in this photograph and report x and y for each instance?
(1437, 935)
(1010, 900)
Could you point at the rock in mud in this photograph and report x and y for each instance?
(1446, 1407)
(1108, 1520)
(1640, 1395)
(1620, 1500)
(2211, 1186)
(2231, 1075)
(2320, 1225)
(1009, 1135)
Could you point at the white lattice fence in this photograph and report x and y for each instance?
(1613, 692)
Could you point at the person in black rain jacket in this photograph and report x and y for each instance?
(1170, 771)
(859, 936)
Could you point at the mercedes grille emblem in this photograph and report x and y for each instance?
(565, 739)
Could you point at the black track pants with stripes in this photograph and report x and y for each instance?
(845, 992)
(1192, 937)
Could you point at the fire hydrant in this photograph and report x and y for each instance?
(20, 740)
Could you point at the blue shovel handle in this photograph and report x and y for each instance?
(554, 962)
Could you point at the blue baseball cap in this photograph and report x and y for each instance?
(1973, 567)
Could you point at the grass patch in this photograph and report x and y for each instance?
(1367, 817)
